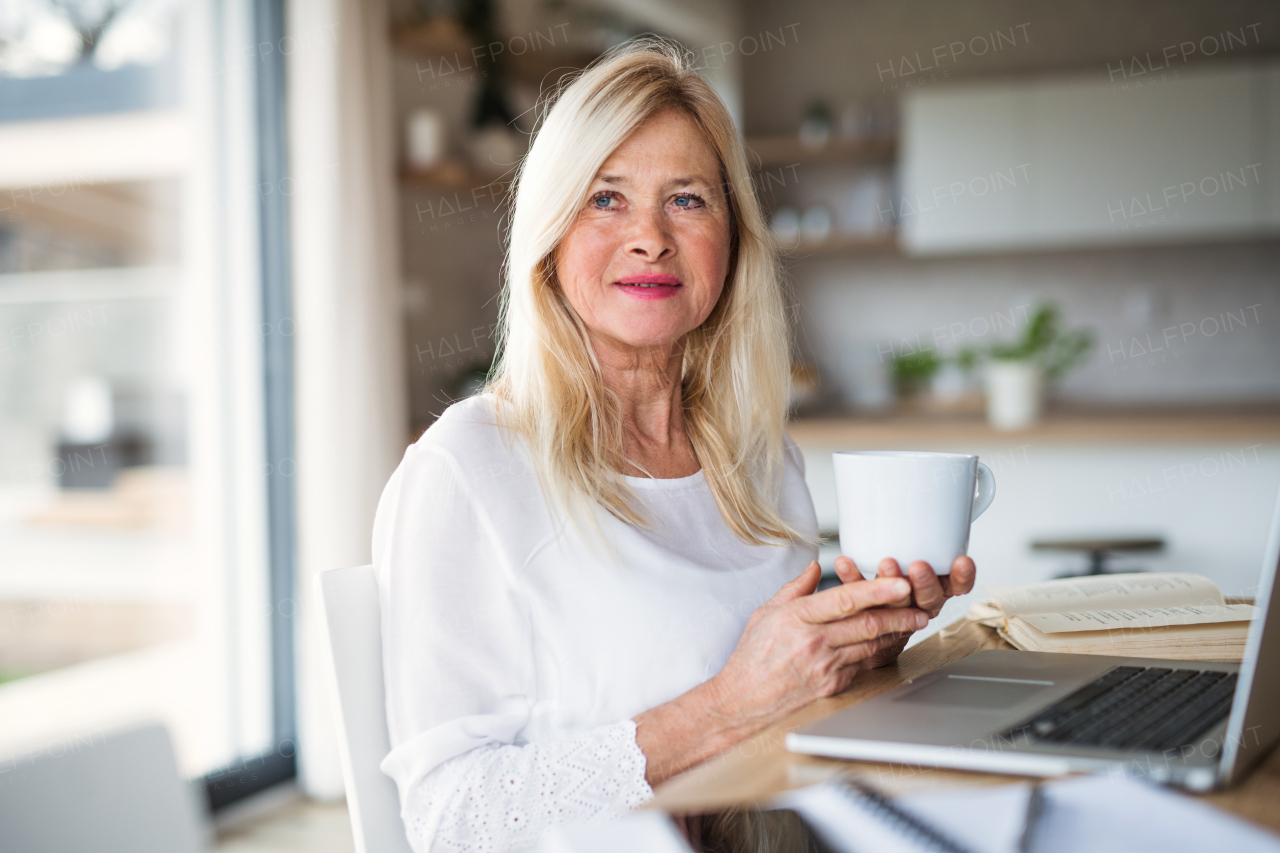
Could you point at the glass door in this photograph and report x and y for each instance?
(134, 535)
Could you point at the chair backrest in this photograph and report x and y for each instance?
(353, 620)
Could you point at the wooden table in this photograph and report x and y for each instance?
(761, 767)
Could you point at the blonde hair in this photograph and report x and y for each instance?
(547, 383)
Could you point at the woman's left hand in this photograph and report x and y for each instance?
(929, 591)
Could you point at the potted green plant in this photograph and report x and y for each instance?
(913, 371)
(1016, 372)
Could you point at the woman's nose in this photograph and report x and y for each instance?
(649, 238)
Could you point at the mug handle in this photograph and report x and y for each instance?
(984, 491)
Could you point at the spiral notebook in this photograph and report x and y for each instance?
(853, 817)
(1094, 813)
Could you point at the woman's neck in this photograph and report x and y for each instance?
(646, 383)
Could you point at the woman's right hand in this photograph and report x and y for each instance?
(802, 645)
(798, 646)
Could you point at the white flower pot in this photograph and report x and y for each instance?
(1015, 394)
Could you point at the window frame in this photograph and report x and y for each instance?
(251, 775)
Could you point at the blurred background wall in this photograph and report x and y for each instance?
(854, 53)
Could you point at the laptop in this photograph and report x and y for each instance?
(1193, 724)
(118, 792)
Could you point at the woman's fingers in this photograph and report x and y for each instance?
(963, 574)
(929, 593)
(800, 586)
(888, 568)
(873, 624)
(859, 653)
(848, 599)
(847, 570)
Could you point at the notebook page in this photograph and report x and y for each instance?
(1138, 618)
(1106, 592)
(1096, 814)
(1092, 814)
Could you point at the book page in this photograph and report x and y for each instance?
(1138, 618)
(1107, 592)
(1221, 641)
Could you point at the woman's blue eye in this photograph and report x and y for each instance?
(602, 201)
(683, 201)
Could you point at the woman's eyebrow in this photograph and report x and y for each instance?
(674, 182)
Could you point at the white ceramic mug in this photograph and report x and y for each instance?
(909, 506)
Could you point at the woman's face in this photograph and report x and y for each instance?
(646, 260)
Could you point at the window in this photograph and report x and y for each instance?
(145, 501)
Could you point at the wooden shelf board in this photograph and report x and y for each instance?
(1121, 426)
(445, 38)
(440, 37)
(453, 175)
(771, 151)
(839, 244)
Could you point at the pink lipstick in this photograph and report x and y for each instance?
(649, 285)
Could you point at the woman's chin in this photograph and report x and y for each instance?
(641, 339)
(645, 329)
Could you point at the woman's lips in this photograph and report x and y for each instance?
(649, 286)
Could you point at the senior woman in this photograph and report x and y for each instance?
(600, 572)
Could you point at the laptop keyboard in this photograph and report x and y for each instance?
(1132, 707)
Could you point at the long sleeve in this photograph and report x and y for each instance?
(460, 676)
(505, 798)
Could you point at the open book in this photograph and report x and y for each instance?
(1173, 615)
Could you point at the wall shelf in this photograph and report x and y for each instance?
(765, 152)
(438, 37)
(444, 39)
(844, 244)
(451, 175)
(768, 153)
(1061, 425)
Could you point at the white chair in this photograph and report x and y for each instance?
(352, 617)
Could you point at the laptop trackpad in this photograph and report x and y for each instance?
(969, 691)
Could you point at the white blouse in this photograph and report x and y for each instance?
(517, 650)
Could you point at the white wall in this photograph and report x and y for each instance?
(880, 304)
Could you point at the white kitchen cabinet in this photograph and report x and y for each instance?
(1059, 163)
(961, 155)
(1267, 96)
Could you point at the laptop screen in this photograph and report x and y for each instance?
(1254, 727)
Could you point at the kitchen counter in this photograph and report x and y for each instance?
(1061, 426)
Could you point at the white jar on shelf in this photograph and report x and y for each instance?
(815, 225)
(425, 139)
(786, 225)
